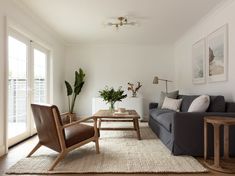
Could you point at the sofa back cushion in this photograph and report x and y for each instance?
(169, 95)
(217, 103)
(186, 101)
(230, 107)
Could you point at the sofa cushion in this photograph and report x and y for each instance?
(156, 112)
(230, 107)
(217, 104)
(163, 117)
(186, 101)
(169, 95)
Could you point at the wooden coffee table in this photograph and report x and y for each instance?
(108, 116)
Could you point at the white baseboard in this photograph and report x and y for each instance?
(2, 150)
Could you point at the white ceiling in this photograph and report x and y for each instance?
(159, 21)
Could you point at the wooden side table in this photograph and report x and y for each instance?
(217, 121)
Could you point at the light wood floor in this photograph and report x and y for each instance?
(21, 150)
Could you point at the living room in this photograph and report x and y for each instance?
(161, 48)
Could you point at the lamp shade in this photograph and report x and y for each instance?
(155, 80)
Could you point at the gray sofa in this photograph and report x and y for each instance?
(182, 132)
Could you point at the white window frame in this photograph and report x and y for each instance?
(37, 46)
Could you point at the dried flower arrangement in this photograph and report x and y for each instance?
(133, 88)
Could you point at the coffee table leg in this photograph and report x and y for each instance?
(99, 123)
(137, 128)
(134, 124)
(217, 145)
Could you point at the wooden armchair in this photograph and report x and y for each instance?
(58, 137)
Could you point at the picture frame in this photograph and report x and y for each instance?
(199, 62)
(217, 55)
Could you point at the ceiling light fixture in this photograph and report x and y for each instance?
(121, 21)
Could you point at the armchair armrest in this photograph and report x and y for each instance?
(65, 113)
(153, 105)
(78, 121)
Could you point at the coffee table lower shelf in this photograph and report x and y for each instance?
(105, 116)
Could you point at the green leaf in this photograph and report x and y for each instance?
(78, 89)
(112, 95)
(79, 77)
(69, 88)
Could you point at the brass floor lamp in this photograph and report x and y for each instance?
(156, 80)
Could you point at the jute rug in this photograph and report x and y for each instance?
(120, 152)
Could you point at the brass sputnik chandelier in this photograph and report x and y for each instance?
(121, 21)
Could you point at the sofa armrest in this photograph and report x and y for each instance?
(188, 124)
(184, 122)
(153, 105)
(188, 131)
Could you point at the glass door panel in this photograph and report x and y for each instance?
(17, 88)
(40, 75)
(39, 80)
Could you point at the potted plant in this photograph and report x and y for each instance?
(111, 96)
(74, 92)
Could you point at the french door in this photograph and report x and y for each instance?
(27, 83)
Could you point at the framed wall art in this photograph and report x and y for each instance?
(217, 55)
(199, 62)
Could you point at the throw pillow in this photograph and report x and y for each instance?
(172, 104)
(163, 95)
(200, 104)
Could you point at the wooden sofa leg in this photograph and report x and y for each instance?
(34, 149)
(57, 160)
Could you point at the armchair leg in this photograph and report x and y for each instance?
(57, 160)
(97, 146)
(34, 149)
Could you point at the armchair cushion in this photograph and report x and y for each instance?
(78, 133)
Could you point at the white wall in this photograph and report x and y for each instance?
(116, 65)
(24, 21)
(183, 54)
